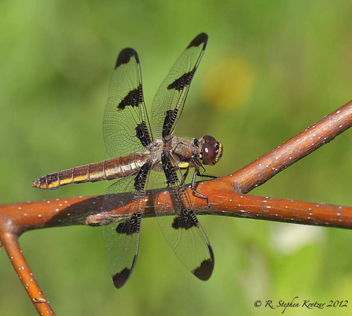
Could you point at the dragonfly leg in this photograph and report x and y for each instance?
(192, 186)
(184, 176)
(206, 175)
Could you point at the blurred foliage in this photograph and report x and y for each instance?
(270, 70)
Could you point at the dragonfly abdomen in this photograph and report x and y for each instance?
(103, 170)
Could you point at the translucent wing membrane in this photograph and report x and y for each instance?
(122, 238)
(170, 98)
(182, 230)
(126, 127)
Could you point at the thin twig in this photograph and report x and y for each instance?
(10, 243)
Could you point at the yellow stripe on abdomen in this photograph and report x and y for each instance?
(103, 170)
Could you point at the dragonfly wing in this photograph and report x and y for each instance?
(170, 98)
(182, 230)
(122, 237)
(126, 127)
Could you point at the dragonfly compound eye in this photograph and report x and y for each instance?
(211, 150)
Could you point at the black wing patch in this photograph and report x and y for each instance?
(142, 134)
(185, 80)
(185, 220)
(169, 169)
(205, 270)
(130, 226)
(141, 177)
(133, 98)
(170, 118)
(200, 39)
(125, 56)
(120, 278)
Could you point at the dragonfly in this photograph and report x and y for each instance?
(148, 153)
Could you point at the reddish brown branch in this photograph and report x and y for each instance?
(222, 201)
(10, 243)
(225, 198)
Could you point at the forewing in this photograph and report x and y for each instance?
(182, 230)
(170, 98)
(126, 127)
(122, 238)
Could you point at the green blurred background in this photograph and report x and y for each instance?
(270, 70)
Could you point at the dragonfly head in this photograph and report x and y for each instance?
(211, 150)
